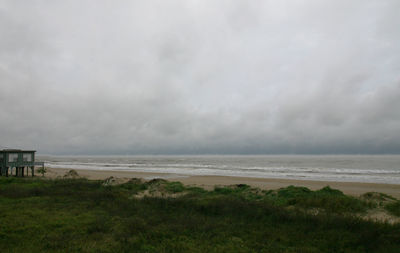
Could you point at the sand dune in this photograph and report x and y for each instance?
(209, 182)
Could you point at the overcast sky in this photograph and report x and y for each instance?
(200, 77)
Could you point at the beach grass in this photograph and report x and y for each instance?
(394, 208)
(79, 215)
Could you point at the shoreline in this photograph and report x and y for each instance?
(209, 182)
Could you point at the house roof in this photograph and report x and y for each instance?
(16, 150)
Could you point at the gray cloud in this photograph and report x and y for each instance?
(146, 77)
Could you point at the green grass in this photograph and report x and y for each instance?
(78, 215)
(394, 208)
(326, 199)
(174, 187)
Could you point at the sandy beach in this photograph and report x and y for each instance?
(208, 182)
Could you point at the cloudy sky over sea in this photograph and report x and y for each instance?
(209, 77)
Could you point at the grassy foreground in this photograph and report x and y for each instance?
(79, 215)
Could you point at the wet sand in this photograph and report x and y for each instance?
(209, 182)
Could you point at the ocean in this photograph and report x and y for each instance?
(341, 168)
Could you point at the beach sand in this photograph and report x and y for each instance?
(209, 182)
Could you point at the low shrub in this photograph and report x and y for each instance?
(394, 208)
(328, 199)
(174, 187)
(133, 186)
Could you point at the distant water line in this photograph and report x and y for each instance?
(340, 168)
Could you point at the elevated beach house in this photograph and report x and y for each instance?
(16, 161)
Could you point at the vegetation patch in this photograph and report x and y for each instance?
(327, 199)
(174, 187)
(80, 215)
(71, 174)
(394, 208)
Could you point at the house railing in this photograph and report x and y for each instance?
(24, 164)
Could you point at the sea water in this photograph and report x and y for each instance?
(341, 168)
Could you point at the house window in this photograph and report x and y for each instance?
(27, 157)
(13, 157)
(1, 158)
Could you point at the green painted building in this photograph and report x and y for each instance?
(16, 161)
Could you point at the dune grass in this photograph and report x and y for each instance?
(79, 215)
(394, 208)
